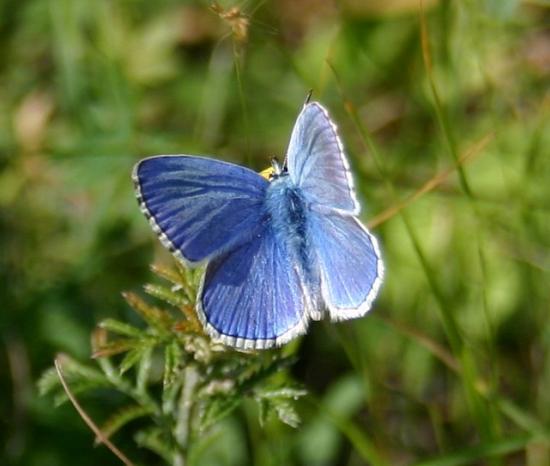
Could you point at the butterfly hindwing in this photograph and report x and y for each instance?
(252, 297)
(317, 164)
(350, 264)
(199, 207)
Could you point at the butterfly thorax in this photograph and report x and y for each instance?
(287, 210)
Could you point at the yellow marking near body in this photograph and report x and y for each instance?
(267, 173)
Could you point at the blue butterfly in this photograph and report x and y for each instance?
(279, 251)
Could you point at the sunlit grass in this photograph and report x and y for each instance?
(445, 118)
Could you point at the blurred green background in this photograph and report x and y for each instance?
(452, 365)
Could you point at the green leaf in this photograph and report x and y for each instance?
(155, 317)
(153, 440)
(123, 417)
(48, 382)
(79, 387)
(173, 355)
(263, 411)
(279, 402)
(144, 368)
(79, 377)
(166, 294)
(190, 279)
(217, 408)
(133, 356)
(75, 370)
(112, 348)
(285, 392)
(254, 373)
(121, 328)
(167, 274)
(286, 412)
(472, 455)
(185, 280)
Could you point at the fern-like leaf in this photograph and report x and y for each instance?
(121, 328)
(134, 356)
(158, 319)
(152, 439)
(218, 408)
(166, 294)
(180, 383)
(121, 418)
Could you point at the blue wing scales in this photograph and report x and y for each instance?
(199, 207)
(317, 164)
(350, 264)
(252, 297)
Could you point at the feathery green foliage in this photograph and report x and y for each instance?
(172, 377)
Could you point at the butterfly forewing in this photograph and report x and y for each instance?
(317, 164)
(199, 207)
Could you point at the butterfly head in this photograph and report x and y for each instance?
(275, 171)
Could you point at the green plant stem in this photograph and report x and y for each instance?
(182, 431)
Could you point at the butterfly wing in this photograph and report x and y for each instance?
(316, 161)
(199, 207)
(349, 261)
(252, 297)
(348, 255)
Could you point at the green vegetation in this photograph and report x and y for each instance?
(445, 116)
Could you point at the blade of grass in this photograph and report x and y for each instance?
(432, 183)
(431, 345)
(439, 111)
(359, 358)
(238, 73)
(507, 407)
(362, 445)
(449, 324)
(488, 422)
(477, 405)
(485, 450)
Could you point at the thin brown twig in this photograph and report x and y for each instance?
(99, 435)
(439, 351)
(432, 183)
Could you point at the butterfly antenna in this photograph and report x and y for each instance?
(276, 166)
(308, 98)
